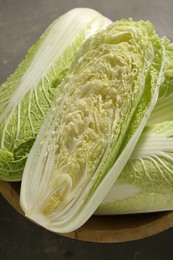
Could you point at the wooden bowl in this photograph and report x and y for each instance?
(104, 228)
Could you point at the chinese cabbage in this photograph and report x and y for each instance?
(93, 126)
(27, 94)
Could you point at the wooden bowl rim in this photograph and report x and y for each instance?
(107, 229)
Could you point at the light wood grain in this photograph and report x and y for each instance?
(105, 228)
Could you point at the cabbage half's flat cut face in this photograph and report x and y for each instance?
(99, 113)
(26, 96)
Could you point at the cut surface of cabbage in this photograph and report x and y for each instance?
(26, 96)
(93, 126)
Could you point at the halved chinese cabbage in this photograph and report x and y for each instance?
(146, 182)
(97, 117)
(26, 96)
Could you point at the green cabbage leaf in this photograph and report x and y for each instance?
(164, 107)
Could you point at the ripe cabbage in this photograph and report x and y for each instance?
(26, 96)
(95, 121)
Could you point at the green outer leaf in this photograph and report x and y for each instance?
(164, 106)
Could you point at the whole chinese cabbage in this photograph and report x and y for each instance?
(26, 96)
(94, 123)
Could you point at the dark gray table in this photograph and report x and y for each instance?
(21, 23)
